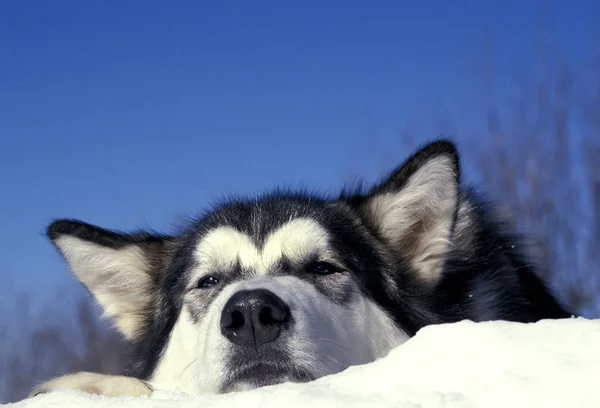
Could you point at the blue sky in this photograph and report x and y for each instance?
(132, 114)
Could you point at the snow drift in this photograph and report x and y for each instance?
(466, 364)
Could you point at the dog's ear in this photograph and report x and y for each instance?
(119, 270)
(413, 210)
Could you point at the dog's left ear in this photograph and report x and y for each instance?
(121, 271)
(413, 210)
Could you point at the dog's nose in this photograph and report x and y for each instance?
(254, 317)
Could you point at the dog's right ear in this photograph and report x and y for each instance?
(120, 270)
(414, 208)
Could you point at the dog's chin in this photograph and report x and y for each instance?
(263, 375)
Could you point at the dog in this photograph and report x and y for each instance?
(291, 287)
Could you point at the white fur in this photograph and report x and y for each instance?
(417, 220)
(174, 370)
(322, 342)
(221, 248)
(463, 227)
(92, 383)
(117, 278)
(296, 240)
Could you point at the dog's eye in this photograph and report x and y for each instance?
(323, 268)
(207, 282)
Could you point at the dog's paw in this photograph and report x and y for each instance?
(100, 384)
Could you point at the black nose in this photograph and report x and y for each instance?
(254, 317)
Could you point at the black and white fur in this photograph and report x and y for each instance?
(293, 287)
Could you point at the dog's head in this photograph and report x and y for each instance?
(286, 287)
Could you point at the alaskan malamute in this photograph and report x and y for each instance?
(290, 286)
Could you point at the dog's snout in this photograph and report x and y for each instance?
(254, 317)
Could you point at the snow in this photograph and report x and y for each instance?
(465, 364)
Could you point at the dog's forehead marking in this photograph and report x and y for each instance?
(295, 240)
(224, 246)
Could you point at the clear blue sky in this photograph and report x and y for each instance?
(132, 113)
